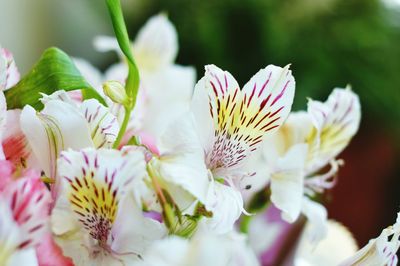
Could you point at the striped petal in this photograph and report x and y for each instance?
(9, 74)
(336, 121)
(95, 181)
(240, 118)
(10, 236)
(57, 127)
(3, 117)
(29, 201)
(103, 125)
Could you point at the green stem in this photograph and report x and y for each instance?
(122, 128)
(133, 79)
(245, 223)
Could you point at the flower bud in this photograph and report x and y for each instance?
(115, 91)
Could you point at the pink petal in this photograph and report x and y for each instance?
(50, 254)
(6, 170)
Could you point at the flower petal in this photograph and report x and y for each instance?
(103, 125)
(287, 182)
(380, 251)
(89, 72)
(3, 117)
(12, 73)
(330, 251)
(226, 204)
(29, 201)
(133, 232)
(317, 217)
(95, 181)
(156, 44)
(336, 121)
(58, 127)
(242, 117)
(166, 99)
(181, 160)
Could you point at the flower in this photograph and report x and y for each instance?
(96, 220)
(226, 127)
(303, 146)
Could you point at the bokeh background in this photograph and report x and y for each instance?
(330, 43)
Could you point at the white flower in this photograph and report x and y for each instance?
(96, 219)
(380, 251)
(227, 127)
(306, 143)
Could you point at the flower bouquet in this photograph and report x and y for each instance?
(142, 165)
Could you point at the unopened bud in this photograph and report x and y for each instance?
(115, 91)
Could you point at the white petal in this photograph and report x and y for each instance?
(132, 232)
(118, 72)
(58, 127)
(287, 182)
(241, 118)
(103, 125)
(317, 218)
(106, 43)
(330, 251)
(95, 181)
(3, 117)
(380, 251)
(271, 90)
(10, 236)
(336, 122)
(156, 44)
(182, 159)
(12, 73)
(226, 204)
(166, 99)
(89, 72)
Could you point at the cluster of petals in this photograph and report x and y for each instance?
(175, 195)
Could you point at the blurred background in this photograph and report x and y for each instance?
(330, 43)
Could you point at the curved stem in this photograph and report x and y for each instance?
(122, 128)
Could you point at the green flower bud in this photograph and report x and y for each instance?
(115, 91)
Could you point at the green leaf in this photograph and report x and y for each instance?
(54, 71)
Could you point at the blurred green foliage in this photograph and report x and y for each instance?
(328, 42)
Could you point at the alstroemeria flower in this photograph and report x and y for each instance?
(380, 251)
(303, 146)
(24, 208)
(227, 127)
(62, 124)
(338, 245)
(165, 88)
(96, 219)
(203, 249)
